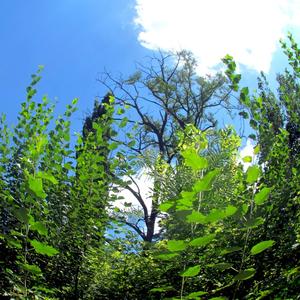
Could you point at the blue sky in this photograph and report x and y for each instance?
(77, 39)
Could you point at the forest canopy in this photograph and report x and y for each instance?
(214, 225)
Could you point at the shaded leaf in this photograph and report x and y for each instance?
(245, 274)
(32, 268)
(230, 250)
(39, 227)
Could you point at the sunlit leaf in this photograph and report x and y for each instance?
(167, 256)
(176, 245)
(262, 196)
(202, 241)
(162, 289)
(164, 207)
(47, 176)
(193, 160)
(42, 248)
(39, 227)
(196, 217)
(36, 186)
(191, 271)
(262, 246)
(247, 159)
(253, 173)
(205, 183)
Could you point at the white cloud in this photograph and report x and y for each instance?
(247, 30)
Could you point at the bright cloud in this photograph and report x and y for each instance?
(247, 30)
(247, 150)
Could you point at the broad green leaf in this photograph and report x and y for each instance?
(221, 266)
(162, 289)
(14, 243)
(47, 176)
(36, 186)
(247, 159)
(262, 196)
(164, 207)
(43, 248)
(196, 217)
(230, 250)
(191, 271)
(205, 183)
(39, 227)
(176, 245)
(193, 160)
(262, 246)
(22, 215)
(167, 256)
(252, 223)
(218, 298)
(252, 174)
(196, 295)
(202, 241)
(256, 149)
(230, 210)
(124, 122)
(245, 274)
(32, 268)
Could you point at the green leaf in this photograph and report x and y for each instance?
(40, 228)
(32, 268)
(176, 245)
(252, 223)
(191, 271)
(221, 266)
(202, 241)
(193, 160)
(230, 210)
(205, 183)
(218, 298)
(162, 289)
(196, 217)
(262, 196)
(247, 159)
(164, 207)
(253, 173)
(245, 274)
(22, 215)
(36, 186)
(230, 250)
(262, 246)
(167, 256)
(43, 248)
(256, 149)
(196, 295)
(47, 176)
(124, 122)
